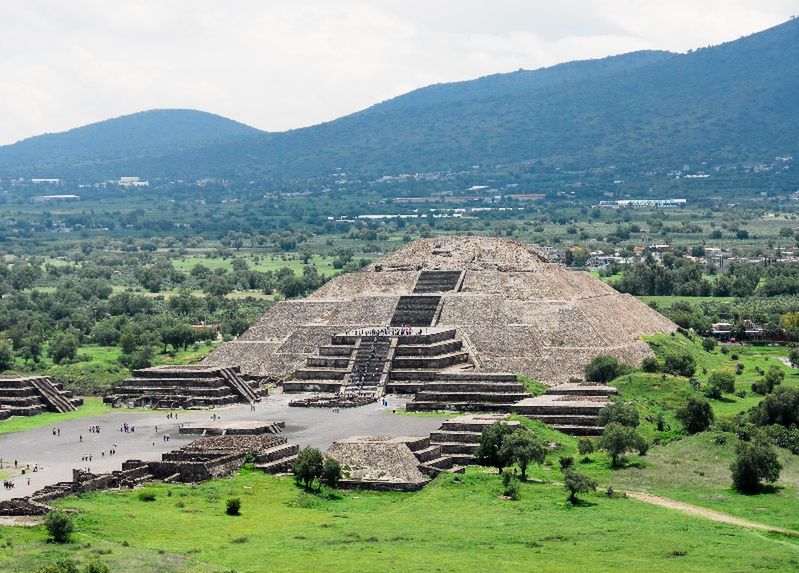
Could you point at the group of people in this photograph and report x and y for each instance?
(56, 431)
(390, 331)
(127, 428)
(95, 429)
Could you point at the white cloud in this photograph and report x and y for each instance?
(279, 64)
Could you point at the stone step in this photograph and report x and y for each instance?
(448, 436)
(450, 448)
(278, 452)
(567, 420)
(279, 465)
(578, 430)
(320, 374)
(312, 386)
(434, 349)
(437, 362)
(478, 397)
(428, 453)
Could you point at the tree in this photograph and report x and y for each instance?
(724, 381)
(331, 472)
(773, 378)
(575, 483)
(585, 446)
(755, 461)
(709, 344)
(619, 412)
(490, 452)
(308, 466)
(604, 368)
(63, 347)
(793, 357)
(617, 439)
(6, 357)
(59, 526)
(524, 447)
(781, 407)
(679, 364)
(696, 415)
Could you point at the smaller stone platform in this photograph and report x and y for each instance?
(241, 428)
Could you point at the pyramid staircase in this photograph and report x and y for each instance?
(459, 438)
(438, 281)
(416, 310)
(571, 408)
(31, 395)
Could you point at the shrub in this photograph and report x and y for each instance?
(59, 526)
(724, 381)
(146, 496)
(770, 380)
(512, 490)
(709, 344)
(712, 392)
(604, 368)
(575, 483)
(490, 451)
(679, 364)
(60, 566)
(6, 357)
(585, 446)
(725, 349)
(754, 462)
(619, 412)
(793, 357)
(650, 364)
(781, 407)
(617, 439)
(660, 421)
(233, 506)
(331, 472)
(308, 466)
(565, 462)
(696, 415)
(96, 567)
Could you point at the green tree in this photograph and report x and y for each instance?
(604, 368)
(308, 466)
(63, 347)
(621, 413)
(793, 357)
(524, 447)
(490, 452)
(331, 472)
(696, 415)
(59, 526)
(650, 364)
(574, 482)
(679, 364)
(617, 439)
(755, 462)
(723, 380)
(6, 357)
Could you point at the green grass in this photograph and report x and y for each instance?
(697, 470)
(458, 523)
(666, 301)
(263, 263)
(91, 407)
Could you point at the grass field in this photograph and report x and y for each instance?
(263, 263)
(92, 406)
(457, 523)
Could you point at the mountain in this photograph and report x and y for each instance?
(136, 137)
(733, 102)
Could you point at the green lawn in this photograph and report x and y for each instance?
(91, 407)
(458, 523)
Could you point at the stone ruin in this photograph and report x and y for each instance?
(196, 386)
(204, 459)
(453, 321)
(31, 395)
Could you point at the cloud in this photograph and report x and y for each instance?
(279, 64)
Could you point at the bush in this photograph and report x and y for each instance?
(511, 490)
(60, 566)
(619, 412)
(96, 567)
(604, 368)
(63, 347)
(696, 415)
(233, 506)
(724, 381)
(59, 526)
(650, 364)
(308, 466)
(770, 380)
(709, 344)
(565, 462)
(781, 407)
(617, 439)
(585, 446)
(146, 496)
(679, 364)
(754, 462)
(575, 483)
(6, 357)
(331, 472)
(725, 349)
(793, 357)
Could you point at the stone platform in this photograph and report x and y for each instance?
(241, 428)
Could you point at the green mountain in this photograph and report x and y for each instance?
(130, 138)
(734, 102)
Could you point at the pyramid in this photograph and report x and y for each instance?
(474, 308)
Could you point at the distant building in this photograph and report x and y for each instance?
(46, 181)
(47, 198)
(131, 182)
(644, 203)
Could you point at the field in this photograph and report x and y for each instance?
(284, 529)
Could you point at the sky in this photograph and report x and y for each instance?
(283, 64)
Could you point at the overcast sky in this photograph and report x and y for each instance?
(278, 64)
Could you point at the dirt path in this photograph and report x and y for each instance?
(707, 513)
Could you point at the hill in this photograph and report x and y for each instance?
(135, 137)
(734, 102)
